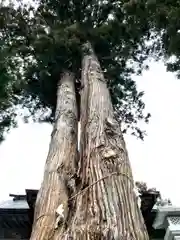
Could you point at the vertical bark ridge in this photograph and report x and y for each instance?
(108, 209)
(60, 165)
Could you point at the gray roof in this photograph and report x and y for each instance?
(18, 204)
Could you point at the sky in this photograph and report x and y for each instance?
(155, 161)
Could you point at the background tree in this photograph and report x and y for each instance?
(8, 85)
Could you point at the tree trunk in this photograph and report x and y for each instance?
(106, 206)
(60, 168)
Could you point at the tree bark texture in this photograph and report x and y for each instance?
(60, 168)
(106, 206)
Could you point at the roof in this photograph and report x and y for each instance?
(16, 215)
(20, 201)
(9, 204)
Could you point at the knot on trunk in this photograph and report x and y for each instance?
(109, 153)
(111, 126)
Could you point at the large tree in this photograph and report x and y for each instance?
(102, 203)
(50, 42)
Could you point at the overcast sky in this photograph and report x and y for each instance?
(156, 160)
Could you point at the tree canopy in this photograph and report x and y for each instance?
(42, 42)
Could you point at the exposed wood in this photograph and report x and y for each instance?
(107, 207)
(58, 182)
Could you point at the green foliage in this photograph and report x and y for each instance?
(38, 44)
(44, 42)
(7, 99)
(7, 87)
(164, 17)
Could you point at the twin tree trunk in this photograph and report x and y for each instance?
(95, 192)
(60, 163)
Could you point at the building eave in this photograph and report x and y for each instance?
(162, 214)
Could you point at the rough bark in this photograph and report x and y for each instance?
(60, 168)
(106, 205)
